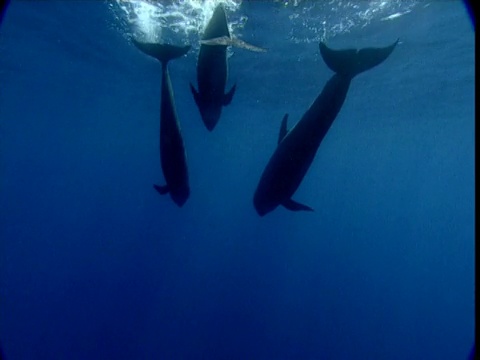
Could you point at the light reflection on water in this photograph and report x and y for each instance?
(181, 21)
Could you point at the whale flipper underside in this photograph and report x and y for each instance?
(283, 129)
(232, 41)
(196, 95)
(227, 98)
(295, 206)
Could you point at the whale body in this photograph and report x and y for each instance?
(173, 157)
(212, 70)
(297, 148)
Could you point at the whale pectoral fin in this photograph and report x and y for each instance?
(162, 190)
(283, 129)
(295, 206)
(196, 95)
(227, 98)
(243, 45)
(218, 41)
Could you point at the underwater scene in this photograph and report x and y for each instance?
(228, 179)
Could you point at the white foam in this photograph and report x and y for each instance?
(157, 22)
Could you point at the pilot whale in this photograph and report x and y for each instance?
(3, 9)
(212, 71)
(172, 150)
(212, 68)
(297, 148)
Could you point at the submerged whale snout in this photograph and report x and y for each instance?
(180, 197)
(210, 117)
(262, 206)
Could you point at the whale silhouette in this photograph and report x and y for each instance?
(297, 148)
(212, 68)
(172, 149)
(212, 71)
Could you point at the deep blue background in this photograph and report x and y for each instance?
(94, 264)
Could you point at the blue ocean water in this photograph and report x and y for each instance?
(94, 264)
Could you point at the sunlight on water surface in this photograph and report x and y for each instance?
(177, 21)
(181, 21)
(326, 19)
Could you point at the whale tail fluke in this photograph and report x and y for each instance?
(352, 62)
(162, 52)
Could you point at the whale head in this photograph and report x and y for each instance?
(210, 116)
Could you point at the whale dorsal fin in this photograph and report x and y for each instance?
(162, 190)
(283, 129)
(295, 206)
